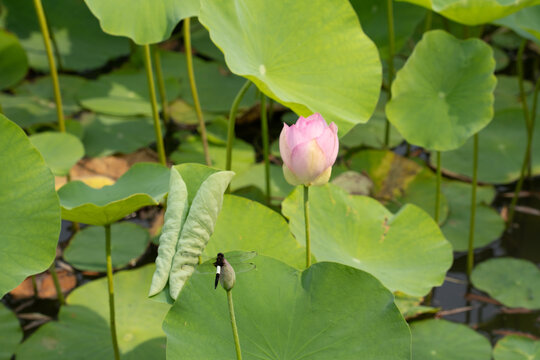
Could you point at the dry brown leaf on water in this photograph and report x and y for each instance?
(45, 285)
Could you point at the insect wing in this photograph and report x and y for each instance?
(243, 267)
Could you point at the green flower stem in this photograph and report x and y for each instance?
(265, 142)
(52, 270)
(232, 120)
(470, 253)
(155, 113)
(528, 154)
(112, 319)
(429, 21)
(234, 328)
(438, 188)
(52, 64)
(391, 51)
(161, 85)
(306, 222)
(194, 94)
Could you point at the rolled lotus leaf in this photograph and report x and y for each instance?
(177, 208)
(197, 229)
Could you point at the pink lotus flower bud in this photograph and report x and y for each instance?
(309, 149)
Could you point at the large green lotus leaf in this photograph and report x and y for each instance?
(81, 43)
(329, 311)
(474, 12)
(143, 21)
(123, 93)
(142, 185)
(503, 142)
(203, 45)
(406, 251)
(372, 133)
(10, 333)
(512, 282)
(191, 151)
(82, 330)
(86, 250)
(398, 180)
(525, 22)
(255, 176)
(444, 93)
(29, 208)
(13, 61)
(264, 231)
(59, 150)
(515, 347)
(441, 339)
(27, 110)
(106, 135)
(489, 224)
(42, 91)
(374, 20)
(216, 85)
(317, 60)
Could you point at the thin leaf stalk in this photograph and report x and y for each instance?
(153, 101)
(52, 64)
(232, 121)
(110, 283)
(266, 147)
(56, 281)
(470, 252)
(391, 52)
(438, 188)
(194, 93)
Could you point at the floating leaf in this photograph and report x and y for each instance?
(13, 61)
(26, 110)
(82, 329)
(283, 313)
(42, 91)
(489, 224)
(503, 142)
(406, 251)
(410, 306)
(86, 250)
(106, 135)
(332, 69)
(144, 184)
(441, 339)
(513, 282)
(474, 12)
(398, 180)
(10, 333)
(515, 347)
(264, 231)
(373, 16)
(59, 150)
(30, 220)
(444, 93)
(146, 23)
(123, 93)
(81, 43)
(507, 94)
